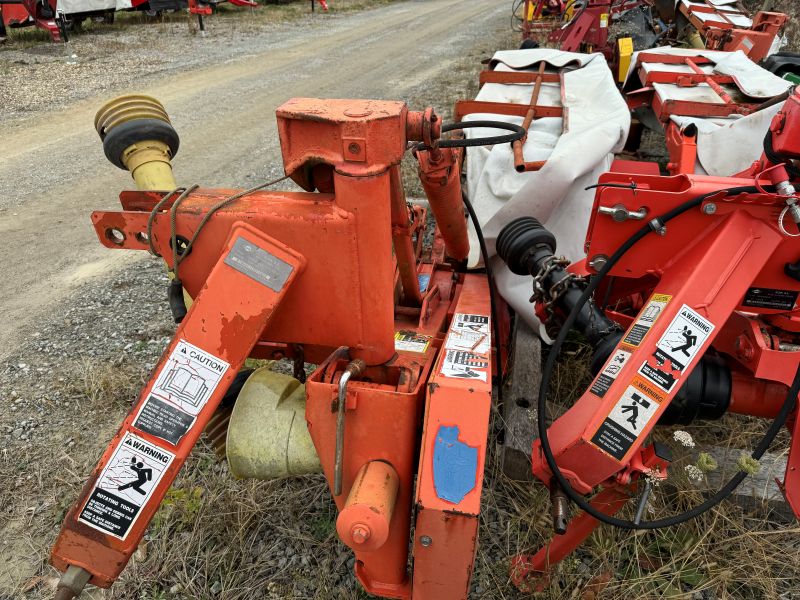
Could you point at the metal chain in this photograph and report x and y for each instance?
(548, 297)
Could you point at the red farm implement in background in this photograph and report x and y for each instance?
(617, 28)
(58, 17)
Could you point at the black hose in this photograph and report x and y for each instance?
(722, 493)
(492, 305)
(777, 159)
(518, 134)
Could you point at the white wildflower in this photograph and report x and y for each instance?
(653, 476)
(693, 473)
(684, 438)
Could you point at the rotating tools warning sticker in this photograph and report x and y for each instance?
(677, 348)
(465, 365)
(184, 385)
(125, 485)
(647, 317)
(609, 373)
(470, 333)
(626, 421)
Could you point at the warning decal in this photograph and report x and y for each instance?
(677, 348)
(465, 365)
(646, 318)
(410, 341)
(625, 423)
(469, 332)
(609, 373)
(184, 385)
(125, 485)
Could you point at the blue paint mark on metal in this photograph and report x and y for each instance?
(423, 280)
(455, 465)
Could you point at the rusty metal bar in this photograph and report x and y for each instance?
(519, 160)
(709, 80)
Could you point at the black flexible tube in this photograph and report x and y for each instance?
(518, 134)
(492, 304)
(722, 493)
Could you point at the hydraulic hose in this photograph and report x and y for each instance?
(724, 491)
(517, 133)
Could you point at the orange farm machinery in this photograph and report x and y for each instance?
(688, 295)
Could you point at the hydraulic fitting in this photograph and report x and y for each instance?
(138, 137)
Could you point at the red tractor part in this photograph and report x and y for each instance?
(398, 408)
(706, 321)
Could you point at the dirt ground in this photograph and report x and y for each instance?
(82, 326)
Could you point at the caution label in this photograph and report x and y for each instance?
(187, 380)
(625, 423)
(470, 333)
(410, 341)
(647, 317)
(125, 485)
(677, 348)
(609, 373)
(465, 365)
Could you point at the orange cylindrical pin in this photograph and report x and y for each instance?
(364, 522)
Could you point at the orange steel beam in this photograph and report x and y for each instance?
(104, 527)
(453, 450)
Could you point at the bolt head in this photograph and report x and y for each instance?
(710, 208)
(360, 534)
(426, 541)
(598, 261)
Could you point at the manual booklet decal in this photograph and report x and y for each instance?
(187, 380)
(125, 485)
(470, 333)
(625, 423)
(677, 348)
(647, 317)
(607, 376)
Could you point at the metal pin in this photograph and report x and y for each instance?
(648, 487)
(559, 507)
(354, 369)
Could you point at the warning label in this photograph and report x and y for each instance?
(769, 298)
(677, 348)
(646, 318)
(469, 332)
(465, 365)
(125, 485)
(182, 388)
(609, 373)
(410, 341)
(625, 423)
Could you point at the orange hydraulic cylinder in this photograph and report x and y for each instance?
(440, 175)
(364, 522)
(401, 240)
(756, 397)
